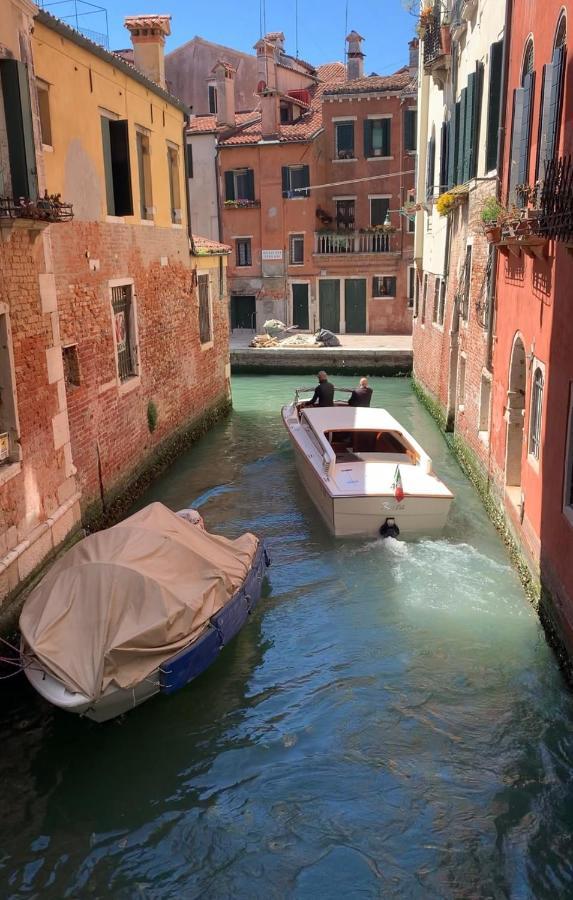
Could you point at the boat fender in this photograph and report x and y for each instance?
(267, 555)
(389, 528)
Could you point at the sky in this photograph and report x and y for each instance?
(384, 24)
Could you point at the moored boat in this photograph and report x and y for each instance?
(364, 472)
(139, 609)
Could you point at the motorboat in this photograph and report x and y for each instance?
(363, 471)
(139, 609)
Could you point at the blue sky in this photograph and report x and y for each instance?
(384, 24)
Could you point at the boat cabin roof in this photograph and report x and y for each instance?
(349, 418)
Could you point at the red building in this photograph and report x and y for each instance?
(532, 408)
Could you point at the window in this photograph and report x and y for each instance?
(222, 285)
(19, 128)
(384, 286)
(411, 285)
(430, 168)
(551, 103)
(462, 382)
(205, 330)
(536, 411)
(521, 127)
(239, 184)
(379, 208)
(9, 447)
(189, 148)
(437, 283)
(115, 141)
(444, 150)
(44, 108)
(297, 249)
(377, 137)
(144, 170)
(344, 137)
(174, 187)
(465, 284)
(294, 181)
(345, 213)
(424, 298)
(212, 99)
(484, 403)
(568, 492)
(410, 127)
(441, 302)
(289, 112)
(71, 366)
(411, 217)
(243, 252)
(124, 327)
(494, 105)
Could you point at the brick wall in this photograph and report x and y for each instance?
(108, 420)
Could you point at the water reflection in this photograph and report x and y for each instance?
(391, 723)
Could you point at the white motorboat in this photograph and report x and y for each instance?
(363, 471)
(139, 609)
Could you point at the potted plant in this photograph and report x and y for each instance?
(446, 203)
(493, 215)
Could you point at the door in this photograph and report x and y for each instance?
(300, 306)
(329, 304)
(243, 312)
(355, 305)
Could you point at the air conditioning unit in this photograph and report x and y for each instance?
(4, 447)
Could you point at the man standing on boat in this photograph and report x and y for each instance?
(323, 392)
(361, 395)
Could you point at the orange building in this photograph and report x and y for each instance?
(309, 248)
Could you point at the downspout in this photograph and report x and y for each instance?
(186, 122)
(492, 296)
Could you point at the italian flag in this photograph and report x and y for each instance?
(397, 485)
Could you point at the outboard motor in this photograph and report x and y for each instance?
(389, 528)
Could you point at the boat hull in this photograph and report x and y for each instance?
(175, 672)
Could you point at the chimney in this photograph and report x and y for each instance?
(225, 75)
(414, 46)
(354, 56)
(148, 39)
(267, 87)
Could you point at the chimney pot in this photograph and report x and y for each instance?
(225, 75)
(148, 38)
(355, 56)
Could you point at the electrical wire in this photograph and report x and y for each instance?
(315, 187)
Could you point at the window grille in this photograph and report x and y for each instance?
(296, 249)
(536, 407)
(205, 333)
(122, 305)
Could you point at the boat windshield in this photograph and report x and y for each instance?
(360, 444)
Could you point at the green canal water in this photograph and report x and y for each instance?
(391, 722)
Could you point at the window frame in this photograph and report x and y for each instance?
(133, 380)
(303, 190)
(537, 395)
(567, 499)
(380, 280)
(412, 111)
(247, 241)
(174, 171)
(14, 464)
(146, 210)
(205, 274)
(212, 98)
(373, 198)
(116, 174)
(340, 123)
(294, 238)
(43, 90)
(386, 136)
(412, 279)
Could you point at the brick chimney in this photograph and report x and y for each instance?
(148, 39)
(225, 75)
(414, 46)
(267, 87)
(354, 56)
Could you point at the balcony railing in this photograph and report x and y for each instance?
(46, 209)
(352, 242)
(432, 40)
(458, 23)
(556, 213)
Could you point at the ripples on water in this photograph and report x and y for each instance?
(390, 724)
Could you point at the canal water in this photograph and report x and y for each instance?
(391, 723)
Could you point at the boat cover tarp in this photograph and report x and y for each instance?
(124, 600)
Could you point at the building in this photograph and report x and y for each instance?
(114, 316)
(39, 498)
(532, 403)
(304, 250)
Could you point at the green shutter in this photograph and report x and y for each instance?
(410, 129)
(494, 105)
(305, 180)
(229, 185)
(19, 128)
(469, 126)
(443, 157)
(453, 144)
(251, 184)
(430, 170)
(368, 138)
(189, 159)
(518, 108)
(551, 109)
(285, 181)
(386, 137)
(106, 146)
(523, 166)
(476, 121)
(461, 138)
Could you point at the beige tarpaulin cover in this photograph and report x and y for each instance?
(122, 601)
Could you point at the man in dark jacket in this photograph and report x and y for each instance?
(361, 395)
(323, 393)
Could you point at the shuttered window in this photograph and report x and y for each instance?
(296, 247)
(19, 128)
(115, 144)
(205, 328)
(453, 144)
(461, 137)
(443, 157)
(243, 250)
(494, 105)
(239, 184)
(551, 109)
(410, 127)
(536, 411)
(174, 189)
(295, 180)
(431, 168)
(144, 172)
(521, 135)
(472, 120)
(344, 137)
(377, 137)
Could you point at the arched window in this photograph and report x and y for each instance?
(521, 130)
(552, 101)
(535, 418)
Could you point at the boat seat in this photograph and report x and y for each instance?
(347, 456)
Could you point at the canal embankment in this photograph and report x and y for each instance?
(357, 355)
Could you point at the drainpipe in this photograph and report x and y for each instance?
(500, 155)
(187, 120)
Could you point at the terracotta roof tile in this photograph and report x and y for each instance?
(373, 84)
(149, 21)
(334, 72)
(206, 247)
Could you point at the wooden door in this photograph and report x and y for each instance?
(243, 312)
(329, 304)
(300, 306)
(355, 305)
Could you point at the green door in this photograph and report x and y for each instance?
(355, 305)
(243, 312)
(329, 304)
(300, 306)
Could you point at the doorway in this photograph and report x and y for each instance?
(300, 315)
(355, 305)
(329, 303)
(514, 417)
(243, 312)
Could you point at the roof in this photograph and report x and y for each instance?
(206, 247)
(163, 23)
(231, 70)
(331, 418)
(208, 124)
(373, 84)
(114, 59)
